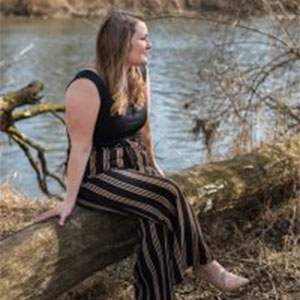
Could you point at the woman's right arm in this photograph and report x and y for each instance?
(82, 107)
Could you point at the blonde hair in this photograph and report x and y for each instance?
(113, 43)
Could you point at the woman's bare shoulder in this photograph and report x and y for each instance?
(81, 86)
(81, 92)
(82, 105)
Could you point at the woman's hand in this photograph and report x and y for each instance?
(62, 211)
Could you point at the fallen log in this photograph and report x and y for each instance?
(44, 260)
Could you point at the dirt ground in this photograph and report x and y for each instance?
(261, 242)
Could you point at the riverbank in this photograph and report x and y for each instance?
(261, 243)
(82, 8)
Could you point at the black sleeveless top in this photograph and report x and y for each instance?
(110, 130)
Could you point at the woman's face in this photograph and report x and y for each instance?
(140, 45)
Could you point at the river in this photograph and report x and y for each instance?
(52, 51)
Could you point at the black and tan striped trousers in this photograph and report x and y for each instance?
(119, 179)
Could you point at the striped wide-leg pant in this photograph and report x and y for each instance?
(119, 179)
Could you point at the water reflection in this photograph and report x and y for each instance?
(182, 50)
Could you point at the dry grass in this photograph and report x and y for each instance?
(260, 242)
(16, 210)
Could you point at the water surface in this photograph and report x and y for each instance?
(181, 50)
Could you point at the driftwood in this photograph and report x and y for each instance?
(29, 95)
(44, 260)
(10, 101)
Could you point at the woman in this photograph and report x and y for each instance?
(112, 164)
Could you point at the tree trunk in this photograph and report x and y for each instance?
(44, 260)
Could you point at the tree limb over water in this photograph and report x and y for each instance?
(29, 95)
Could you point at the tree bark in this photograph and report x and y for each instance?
(44, 260)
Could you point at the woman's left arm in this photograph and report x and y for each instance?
(145, 131)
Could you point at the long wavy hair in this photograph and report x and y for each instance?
(126, 85)
(112, 46)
